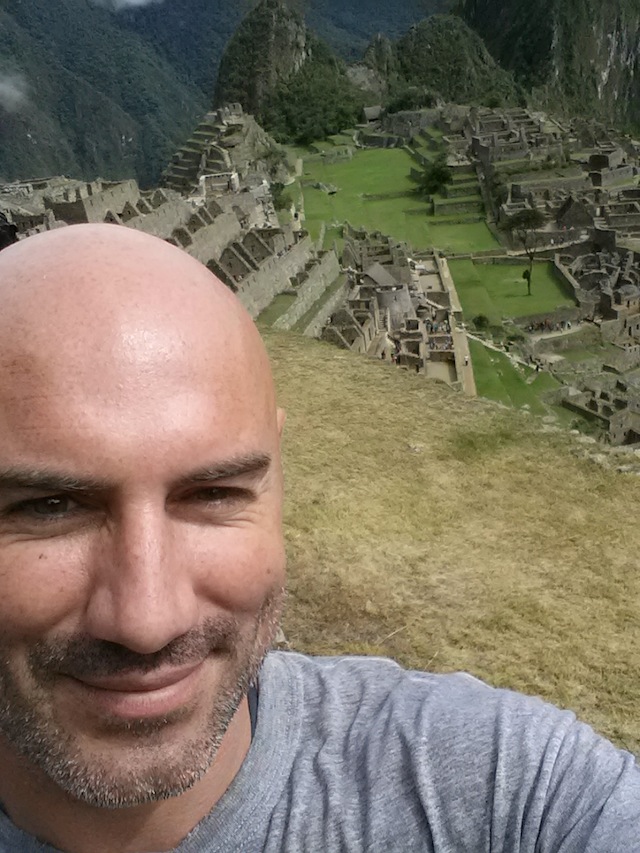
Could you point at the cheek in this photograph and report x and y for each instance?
(237, 567)
(42, 584)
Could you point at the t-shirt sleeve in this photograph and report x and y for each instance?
(592, 799)
(503, 772)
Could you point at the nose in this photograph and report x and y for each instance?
(142, 592)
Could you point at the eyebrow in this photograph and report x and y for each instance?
(252, 463)
(16, 478)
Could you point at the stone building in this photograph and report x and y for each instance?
(399, 307)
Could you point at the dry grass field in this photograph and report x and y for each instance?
(454, 534)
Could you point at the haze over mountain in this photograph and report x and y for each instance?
(112, 87)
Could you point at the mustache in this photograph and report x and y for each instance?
(80, 656)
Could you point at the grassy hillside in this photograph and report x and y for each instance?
(455, 534)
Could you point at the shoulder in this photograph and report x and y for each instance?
(474, 761)
(373, 704)
(371, 686)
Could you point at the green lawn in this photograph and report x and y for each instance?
(376, 172)
(499, 379)
(276, 309)
(498, 290)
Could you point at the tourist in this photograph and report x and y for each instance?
(141, 581)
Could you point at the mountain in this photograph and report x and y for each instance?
(289, 79)
(443, 56)
(576, 55)
(192, 34)
(271, 44)
(78, 95)
(112, 88)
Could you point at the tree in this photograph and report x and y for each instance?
(435, 176)
(524, 226)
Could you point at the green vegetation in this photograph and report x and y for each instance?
(287, 78)
(564, 53)
(383, 175)
(99, 100)
(461, 560)
(498, 291)
(276, 309)
(435, 176)
(315, 102)
(497, 378)
(523, 226)
(445, 55)
(281, 198)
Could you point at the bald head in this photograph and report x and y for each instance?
(103, 295)
(86, 282)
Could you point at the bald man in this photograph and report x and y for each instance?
(141, 580)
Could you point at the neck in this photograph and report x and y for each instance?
(42, 809)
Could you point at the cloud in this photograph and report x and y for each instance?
(13, 92)
(117, 5)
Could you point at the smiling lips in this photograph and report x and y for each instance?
(141, 695)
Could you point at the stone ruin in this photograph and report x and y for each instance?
(231, 227)
(227, 147)
(8, 232)
(400, 308)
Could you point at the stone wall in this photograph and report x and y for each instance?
(319, 277)
(260, 287)
(210, 241)
(162, 220)
(612, 176)
(111, 198)
(314, 329)
(587, 336)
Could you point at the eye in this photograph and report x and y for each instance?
(220, 495)
(44, 517)
(213, 504)
(53, 506)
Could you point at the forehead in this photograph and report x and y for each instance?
(124, 351)
(145, 397)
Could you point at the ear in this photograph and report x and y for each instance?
(281, 417)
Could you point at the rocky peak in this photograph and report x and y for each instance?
(270, 45)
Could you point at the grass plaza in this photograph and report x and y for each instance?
(375, 190)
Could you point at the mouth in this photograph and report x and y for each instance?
(129, 696)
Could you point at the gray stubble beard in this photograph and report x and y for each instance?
(39, 738)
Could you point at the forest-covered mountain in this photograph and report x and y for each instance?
(299, 91)
(577, 55)
(287, 77)
(112, 87)
(440, 58)
(80, 95)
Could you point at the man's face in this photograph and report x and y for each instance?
(141, 562)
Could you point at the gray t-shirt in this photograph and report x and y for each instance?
(357, 754)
